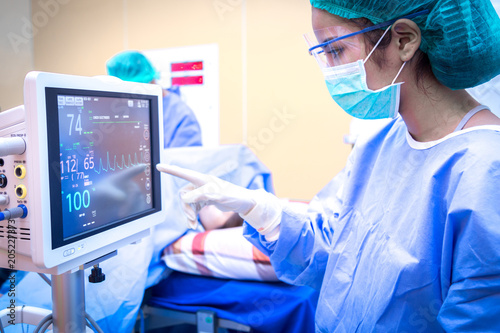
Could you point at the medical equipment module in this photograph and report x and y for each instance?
(77, 175)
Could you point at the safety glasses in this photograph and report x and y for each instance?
(338, 45)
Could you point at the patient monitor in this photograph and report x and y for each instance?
(77, 175)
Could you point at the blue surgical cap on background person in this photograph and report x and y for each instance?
(131, 66)
(461, 37)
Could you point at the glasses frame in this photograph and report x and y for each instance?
(373, 27)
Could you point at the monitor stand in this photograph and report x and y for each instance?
(68, 303)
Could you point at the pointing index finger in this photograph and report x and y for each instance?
(195, 177)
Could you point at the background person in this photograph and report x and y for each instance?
(407, 237)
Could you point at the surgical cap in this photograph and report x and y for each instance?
(131, 66)
(461, 37)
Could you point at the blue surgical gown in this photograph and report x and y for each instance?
(405, 239)
(180, 127)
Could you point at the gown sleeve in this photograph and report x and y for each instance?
(300, 254)
(472, 250)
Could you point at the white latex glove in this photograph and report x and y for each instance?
(260, 209)
(190, 210)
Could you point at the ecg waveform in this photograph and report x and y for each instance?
(123, 165)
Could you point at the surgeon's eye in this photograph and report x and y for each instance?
(333, 50)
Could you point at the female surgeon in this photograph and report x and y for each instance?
(407, 237)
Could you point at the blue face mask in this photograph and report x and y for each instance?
(348, 88)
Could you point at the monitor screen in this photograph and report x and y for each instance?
(101, 156)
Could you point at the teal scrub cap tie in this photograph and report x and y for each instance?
(131, 66)
(461, 37)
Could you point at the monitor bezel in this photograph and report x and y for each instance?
(38, 198)
(53, 128)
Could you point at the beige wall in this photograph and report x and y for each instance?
(16, 50)
(272, 94)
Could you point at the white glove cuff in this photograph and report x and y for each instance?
(265, 216)
(273, 234)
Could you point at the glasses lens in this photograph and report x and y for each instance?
(330, 54)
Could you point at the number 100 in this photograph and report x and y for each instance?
(77, 200)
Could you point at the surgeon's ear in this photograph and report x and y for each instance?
(407, 37)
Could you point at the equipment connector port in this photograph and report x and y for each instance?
(20, 171)
(21, 191)
(3, 180)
